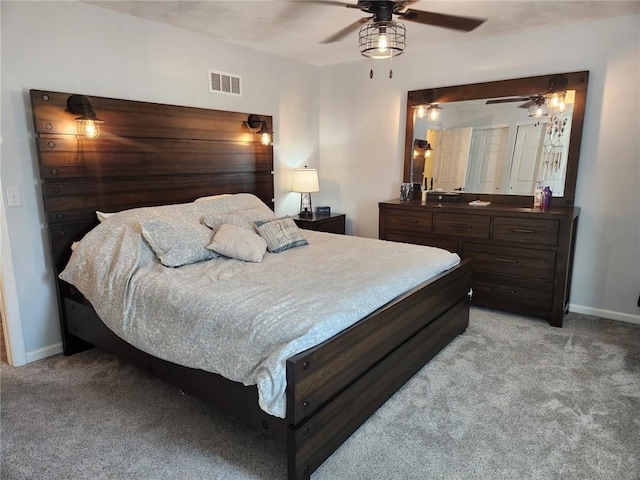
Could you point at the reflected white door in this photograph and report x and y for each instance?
(486, 158)
(451, 159)
(526, 158)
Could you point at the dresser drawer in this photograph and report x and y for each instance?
(462, 225)
(409, 221)
(522, 262)
(531, 297)
(444, 243)
(407, 238)
(525, 230)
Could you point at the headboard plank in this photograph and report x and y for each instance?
(79, 200)
(127, 118)
(62, 157)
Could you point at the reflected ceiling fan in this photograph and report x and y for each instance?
(557, 85)
(529, 101)
(384, 12)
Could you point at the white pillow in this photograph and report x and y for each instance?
(216, 221)
(244, 218)
(179, 243)
(239, 243)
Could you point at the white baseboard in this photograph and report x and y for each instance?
(598, 312)
(44, 352)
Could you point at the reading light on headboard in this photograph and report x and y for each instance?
(88, 121)
(266, 135)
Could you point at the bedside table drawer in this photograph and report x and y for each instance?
(525, 230)
(463, 225)
(413, 222)
(333, 223)
(522, 262)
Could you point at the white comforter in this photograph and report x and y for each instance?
(240, 320)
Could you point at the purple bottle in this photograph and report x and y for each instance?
(546, 197)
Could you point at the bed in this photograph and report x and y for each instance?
(150, 155)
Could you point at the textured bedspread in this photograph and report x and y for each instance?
(239, 319)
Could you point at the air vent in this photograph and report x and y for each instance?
(222, 82)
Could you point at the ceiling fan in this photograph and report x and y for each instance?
(383, 11)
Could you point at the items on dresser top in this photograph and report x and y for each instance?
(522, 257)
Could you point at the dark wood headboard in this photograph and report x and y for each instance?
(147, 154)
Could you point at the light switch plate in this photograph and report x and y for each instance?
(14, 199)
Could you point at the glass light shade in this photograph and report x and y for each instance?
(537, 111)
(305, 180)
(421, 111)
(433, 112)
(89, 128)
(265, 139)
(383, 39)
(556, 101)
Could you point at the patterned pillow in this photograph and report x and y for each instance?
(236, 242)
(178, 243)
(281, 234)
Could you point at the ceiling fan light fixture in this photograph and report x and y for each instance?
(539, 109)
(382, 39)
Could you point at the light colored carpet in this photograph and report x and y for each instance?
(511, 398)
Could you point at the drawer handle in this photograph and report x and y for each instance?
(406, 220)
(504, 290)
(461, 225)
(504, 260)
(522, 230)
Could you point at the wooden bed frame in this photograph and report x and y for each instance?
(151, 154)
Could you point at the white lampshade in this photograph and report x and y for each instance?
(305, 180)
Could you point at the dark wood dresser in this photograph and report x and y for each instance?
(522, 257)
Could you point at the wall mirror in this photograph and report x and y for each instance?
(496, 140)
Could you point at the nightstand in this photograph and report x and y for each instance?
(333, 223)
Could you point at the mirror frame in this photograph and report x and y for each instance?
(577, 81)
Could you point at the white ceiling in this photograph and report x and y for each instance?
(294, 29)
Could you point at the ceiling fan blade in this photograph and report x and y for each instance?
(441, 20)
(401, 6)
(339, 35)
(332, 2)
(506, 100)
(530, 103)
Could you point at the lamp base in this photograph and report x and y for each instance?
(305, 205)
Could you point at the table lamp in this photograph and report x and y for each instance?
(305, 181)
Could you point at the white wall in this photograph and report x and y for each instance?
(362, 139)
(74, 47)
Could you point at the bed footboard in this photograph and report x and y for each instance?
(333, 389)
